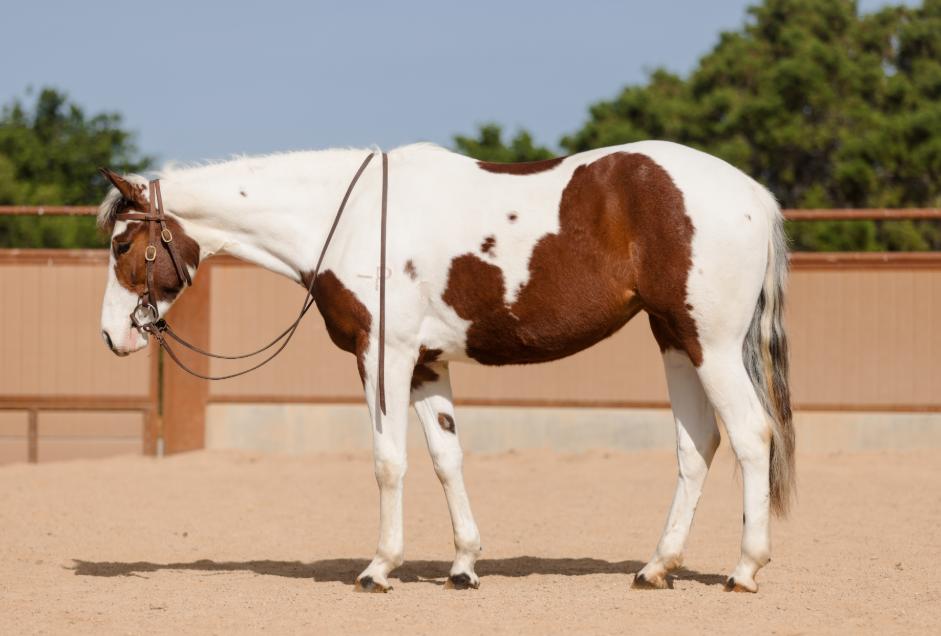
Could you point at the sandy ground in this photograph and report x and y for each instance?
(222, 543)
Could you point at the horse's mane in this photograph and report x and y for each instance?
(114, 203)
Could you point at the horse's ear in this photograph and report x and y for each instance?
(132, 192)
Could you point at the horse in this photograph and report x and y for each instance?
(497, 264)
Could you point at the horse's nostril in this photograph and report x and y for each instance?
(104, 334)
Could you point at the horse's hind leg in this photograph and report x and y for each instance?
(697, 438)
(436, 412)
(731, 391)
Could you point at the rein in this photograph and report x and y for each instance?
(146, 318)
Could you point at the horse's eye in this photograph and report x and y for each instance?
(121, 248)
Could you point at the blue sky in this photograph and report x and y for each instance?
(200, 80)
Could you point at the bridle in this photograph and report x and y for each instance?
(146, 317)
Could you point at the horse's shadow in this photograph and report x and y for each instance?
(346, 570)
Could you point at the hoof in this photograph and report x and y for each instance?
(461, 582)
(641, 582)
(734, 586)
(366, 584)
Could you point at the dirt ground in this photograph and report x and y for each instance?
(222, 543)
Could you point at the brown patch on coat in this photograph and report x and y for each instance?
(487, 247)
(624, 244)
(410, 270)
(511, 217)
(446, 422)
(130, 267)
(422, 372)
(522, 168)
(347, 319)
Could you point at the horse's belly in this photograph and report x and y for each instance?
(553, 317)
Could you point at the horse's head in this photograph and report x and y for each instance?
(127, 290)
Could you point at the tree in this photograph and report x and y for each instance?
(826, 107)
(49, 154)
(489, 146)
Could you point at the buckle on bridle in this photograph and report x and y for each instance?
(166, 235)
(150, 254)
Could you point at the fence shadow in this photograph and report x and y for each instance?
(346, 570)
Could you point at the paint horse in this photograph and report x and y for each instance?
(507, 264)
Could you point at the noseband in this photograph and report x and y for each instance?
(146, 317)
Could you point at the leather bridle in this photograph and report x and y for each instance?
(146, 317)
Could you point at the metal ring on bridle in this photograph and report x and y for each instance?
(166, 235)
(150, 254)
(138, 316)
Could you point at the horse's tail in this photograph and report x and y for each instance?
(766, 359)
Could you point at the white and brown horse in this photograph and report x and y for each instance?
(508, 264)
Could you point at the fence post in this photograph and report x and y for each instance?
(32, 437)
(183, 417)
(152, 426)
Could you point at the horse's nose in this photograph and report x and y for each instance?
(107, 339)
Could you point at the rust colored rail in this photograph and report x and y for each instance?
(870, 214)
(833, 214)
(565, 403)
(74, 403)
(48, 210)
(799, 260)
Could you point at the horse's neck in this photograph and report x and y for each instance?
(272, 211)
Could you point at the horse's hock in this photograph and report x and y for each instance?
(864, 374)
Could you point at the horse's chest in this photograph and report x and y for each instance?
(347, 319)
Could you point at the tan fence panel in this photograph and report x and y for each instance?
(865, 339)
(861, 339)
(50, 342)
(249, 307)
(54, 366)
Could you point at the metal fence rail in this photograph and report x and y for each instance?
(823, 214)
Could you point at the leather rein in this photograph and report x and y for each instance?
(146, 317)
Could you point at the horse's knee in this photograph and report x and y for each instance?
(447, 464)
(390, 472)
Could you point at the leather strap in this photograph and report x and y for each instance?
(381, 375)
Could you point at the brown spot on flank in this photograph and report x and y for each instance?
(522, 168)
(487, 247)
(423, 372)
(242, 192)
(624, 244)
(130, 268)
(346, 318)
(410, 270)
(446, 422)
(511, 217)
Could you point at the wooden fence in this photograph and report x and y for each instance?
(861, 328)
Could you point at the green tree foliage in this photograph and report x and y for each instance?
(826, 107)
(489, 146)
(49, 154)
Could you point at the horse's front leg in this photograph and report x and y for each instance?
(389, 433)
(436, 411)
